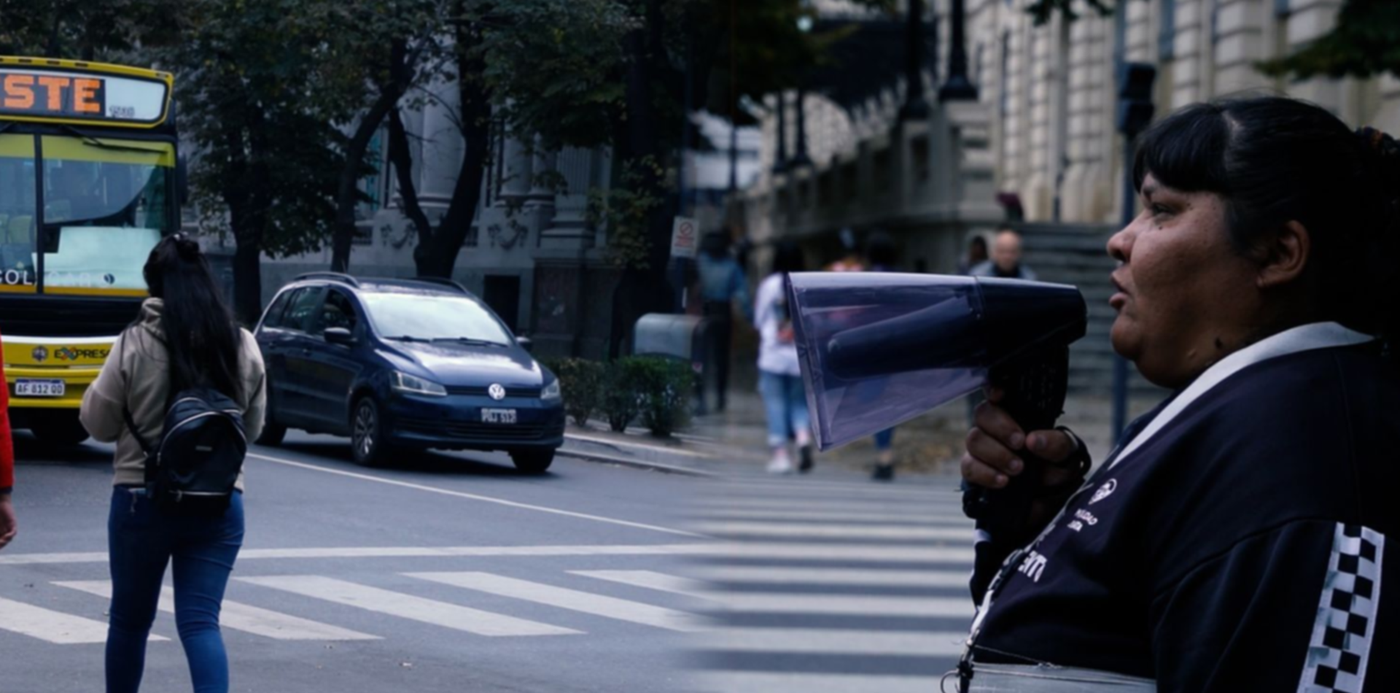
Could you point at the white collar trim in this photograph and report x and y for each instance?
(1320, 335)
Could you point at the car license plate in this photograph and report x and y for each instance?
(498, 416)
(39, 388)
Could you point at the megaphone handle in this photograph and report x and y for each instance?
(1034, 396)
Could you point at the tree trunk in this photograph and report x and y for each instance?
(437, 256)
(247, 282)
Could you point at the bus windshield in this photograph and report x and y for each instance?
(105, 204)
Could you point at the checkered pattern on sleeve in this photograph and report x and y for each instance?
(1346, 616)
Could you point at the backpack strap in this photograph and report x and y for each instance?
(126, 412)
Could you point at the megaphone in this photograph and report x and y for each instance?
(877, 349)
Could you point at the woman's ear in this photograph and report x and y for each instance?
(1285, 256)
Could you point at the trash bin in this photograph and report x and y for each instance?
(683, 337)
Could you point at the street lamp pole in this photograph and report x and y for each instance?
(958, 87)
(915, 104)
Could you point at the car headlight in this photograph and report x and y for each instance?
(403, 382)
(552, 393)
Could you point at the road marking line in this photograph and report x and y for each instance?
(471, 496)
(932, 507)
(816, 531)
(53, 626)
(834, 576)
(559, 597)
(820, 515)
(407, 606)
(648, 579)
(391, 552)
(236, 616)
(836, 552)
(791, 487)
(776, 682)
(836, 641)
(843, 605)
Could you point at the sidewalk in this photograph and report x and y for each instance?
(734, 442)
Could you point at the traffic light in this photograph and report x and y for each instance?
(1135, 107)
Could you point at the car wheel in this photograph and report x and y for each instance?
(60, 428)
(532, 461)
(272, 432)
(367, 444)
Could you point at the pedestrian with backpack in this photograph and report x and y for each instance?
(181, 394)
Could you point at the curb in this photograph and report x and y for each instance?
(638, 464)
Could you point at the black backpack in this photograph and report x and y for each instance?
(193, 468)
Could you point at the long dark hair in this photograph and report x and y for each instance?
(200, 331)
(788, 257)
(1274, 160)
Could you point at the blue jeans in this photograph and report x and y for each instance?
(142, 540)
(785, 402)
(884, 440)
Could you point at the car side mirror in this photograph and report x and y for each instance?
(525, 343)
(339, 335)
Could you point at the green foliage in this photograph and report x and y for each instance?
(582, 383)
(620, 401)
(88, 30)
(625, 209)
(665, 388)
(1365, 42)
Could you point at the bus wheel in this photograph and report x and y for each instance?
(58, 428)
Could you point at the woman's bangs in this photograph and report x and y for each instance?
(1186, 151)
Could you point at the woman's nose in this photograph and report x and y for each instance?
(1120, 244)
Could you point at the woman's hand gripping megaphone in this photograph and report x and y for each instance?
(995, 448)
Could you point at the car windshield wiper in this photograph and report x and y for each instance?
(103, 144)
(408, 338)
(470, 341)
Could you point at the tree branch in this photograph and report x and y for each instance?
(403, 169)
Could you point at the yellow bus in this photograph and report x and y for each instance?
(88, 185)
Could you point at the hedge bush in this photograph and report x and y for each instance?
(665, 388)
(619, 399)
(582, 382)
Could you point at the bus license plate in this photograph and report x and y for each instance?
(498, 416)
(39, 388)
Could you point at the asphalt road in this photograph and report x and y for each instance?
(449, 572)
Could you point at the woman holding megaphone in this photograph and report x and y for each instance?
(1245, 535)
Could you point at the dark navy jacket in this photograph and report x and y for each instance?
(1238, 543)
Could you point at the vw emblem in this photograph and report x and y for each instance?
(496, 391)
(40, 354)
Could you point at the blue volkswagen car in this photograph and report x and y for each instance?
(400, 365)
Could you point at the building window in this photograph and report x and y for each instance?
(1281, 7)
(1166, 37)
(922, 163)
(372, 188)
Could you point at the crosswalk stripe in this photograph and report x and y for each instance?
(236, 616)
(956, 519)
(386, 552)
(922, 505)
(573, 600)
(834, 641)
(843, 605)
(649, 579)
(778, 682)
(820, 531)
(834, 576)
(407, 606)
(53, 626)
(836, 552)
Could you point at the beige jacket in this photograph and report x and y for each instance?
(135, 376)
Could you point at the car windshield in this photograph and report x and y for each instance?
(433, 317)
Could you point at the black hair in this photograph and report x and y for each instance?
(201, 334)
(1273, 160)
(880, 250)
(788, 257)
(715, 244)
(978, 241)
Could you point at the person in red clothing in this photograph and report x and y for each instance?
(8, 528)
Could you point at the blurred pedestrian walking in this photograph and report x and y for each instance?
(1006, 259)
(779, 376)
(851, 260)
(184, 341)
(881, 255)
(722, 282)
(9, 527)
(976, 254)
